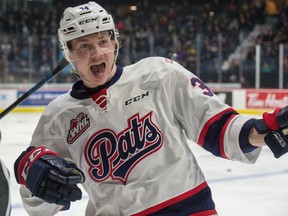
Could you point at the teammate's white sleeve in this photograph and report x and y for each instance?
(5, 199)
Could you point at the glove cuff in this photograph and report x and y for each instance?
(26, 160)
(270, 120)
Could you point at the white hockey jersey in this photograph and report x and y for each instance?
(129, 137)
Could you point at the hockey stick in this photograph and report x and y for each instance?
(60, 66)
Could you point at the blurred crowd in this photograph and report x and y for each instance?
(213, 40)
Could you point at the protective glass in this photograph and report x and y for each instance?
(84, 48)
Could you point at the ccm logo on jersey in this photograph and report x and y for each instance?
(137, 98)
(77, 127)
(111, 155)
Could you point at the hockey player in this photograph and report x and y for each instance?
(122, 131)
(5, 200)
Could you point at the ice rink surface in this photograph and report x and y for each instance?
(238, 189)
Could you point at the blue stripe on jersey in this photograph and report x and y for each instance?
(244, 137)
(212, 138)
(200, 202)
(196, 201)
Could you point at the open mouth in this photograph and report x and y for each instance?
(97, 69)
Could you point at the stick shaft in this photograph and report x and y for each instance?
(61, 65)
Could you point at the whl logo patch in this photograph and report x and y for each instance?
(77, 127)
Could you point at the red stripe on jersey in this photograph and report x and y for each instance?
(173, 200)
(222, 133)
(205, 213)
(209, 123)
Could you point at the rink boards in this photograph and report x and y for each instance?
(246, 101)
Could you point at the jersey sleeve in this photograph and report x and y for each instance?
(35, 206)
(206, 120)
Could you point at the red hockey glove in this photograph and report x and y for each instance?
(275, 124)
(48, 176)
